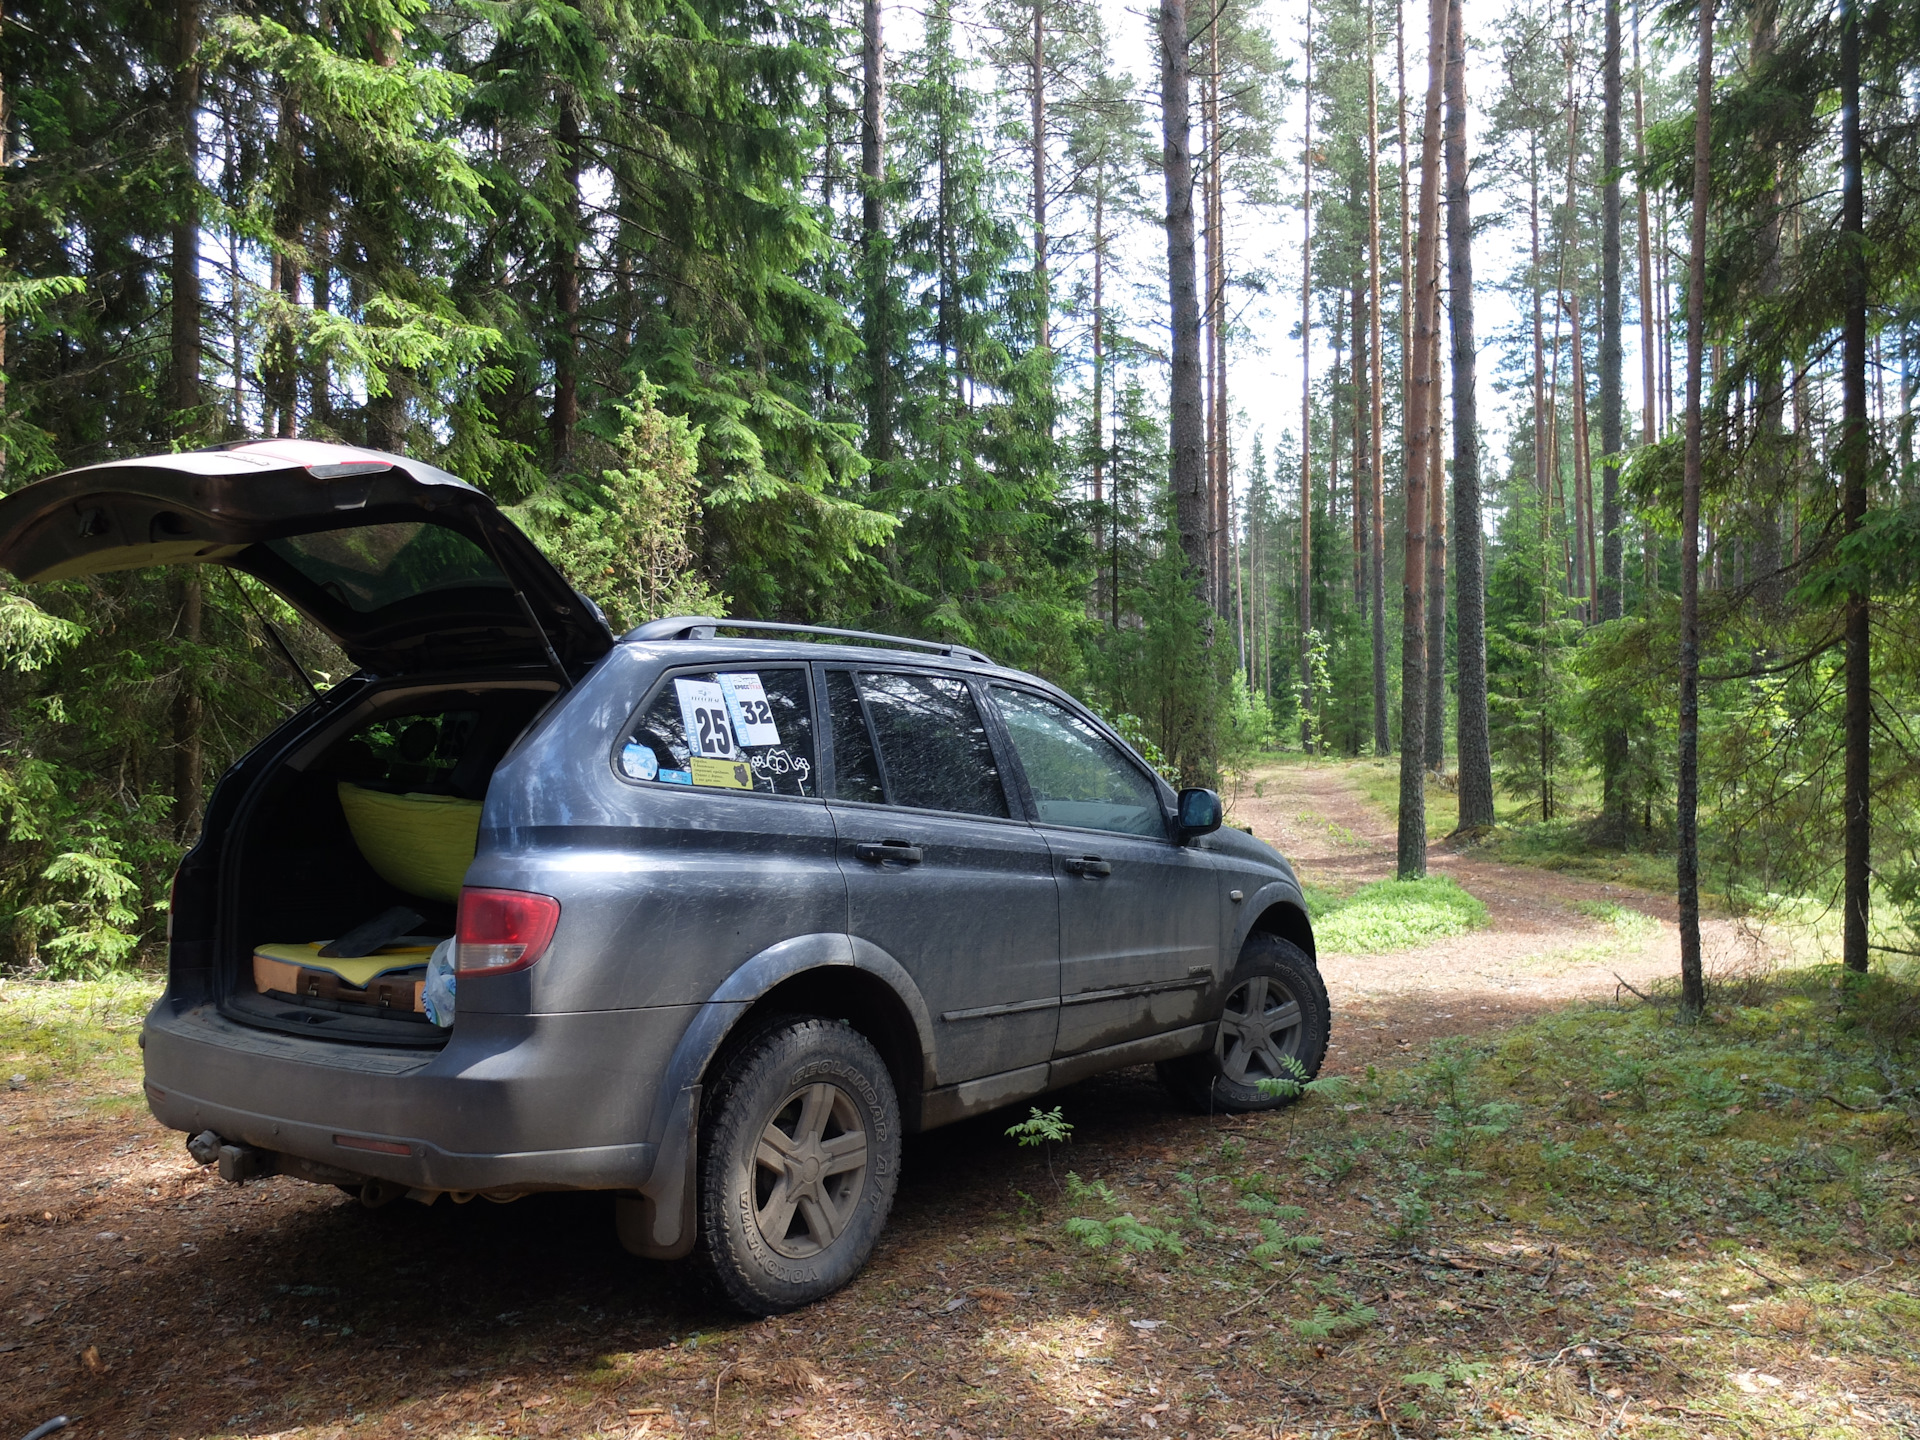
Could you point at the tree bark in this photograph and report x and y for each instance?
(1039, 142)
(1470, 598)
(876, 327)
(1305, 605)
(1693, 995)
(1614, 802)
(1436, 726)
(1612, 577)
(1188, 427)
(1854, 458)
(1382, 741)
(566, 282)
(1362, 481)
(189, 753)
(1411, 840)
(184, 267)
(1220, 455)
(1649, 320)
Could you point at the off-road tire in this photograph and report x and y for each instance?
(1276, 1010)
(777, 1239)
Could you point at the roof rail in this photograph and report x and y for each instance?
(704, 627)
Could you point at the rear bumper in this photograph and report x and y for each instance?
(538, 1102)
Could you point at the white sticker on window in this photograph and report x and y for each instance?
(703, 709)
(747, 704)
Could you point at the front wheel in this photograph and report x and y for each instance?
(1274, 1027)
(800, 1159)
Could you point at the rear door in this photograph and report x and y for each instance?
(940, 874)
(407, 567)
(1139, 915)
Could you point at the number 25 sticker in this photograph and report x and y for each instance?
(703, 709)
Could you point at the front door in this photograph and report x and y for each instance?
(1139, 915)
(940, 875)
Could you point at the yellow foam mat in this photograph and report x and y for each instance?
(359, 970)
(422, 844)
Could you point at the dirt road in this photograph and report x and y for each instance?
(1541, 949)
(143, 1299)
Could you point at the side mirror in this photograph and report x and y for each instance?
(1200, 814)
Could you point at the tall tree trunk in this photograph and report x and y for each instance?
(1382, 742)
(1406, 232)
(1100, 369)
(184, 277)
(566, 282)
(1773, 490)
(1854, 441)
(1188, 427)
(1693, 994)
(1436, 726)
(1220, 470)
(1039, 145)
(1305, 605)
(1542, 421)
(1582, 462)
(1649, 328)
(1470, 597)
(1612, 577)
(1411, 846)
(189, 712)
(189, 754)
(1614, 816)
(876, 325)
(1357, 438)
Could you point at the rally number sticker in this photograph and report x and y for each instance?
(703, 709)
(747, 705)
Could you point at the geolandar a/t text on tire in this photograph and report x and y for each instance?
(707, 916)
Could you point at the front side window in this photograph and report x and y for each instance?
(928, 745)
(727, 730)
(1078, 777)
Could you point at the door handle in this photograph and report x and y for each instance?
(1091, 866)
(879, 852)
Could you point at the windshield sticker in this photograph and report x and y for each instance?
(727, 774)
(639, 761)
(703, 709)
(676, 777)
(782, 762)
(747, 704)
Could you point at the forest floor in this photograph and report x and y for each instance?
(1534, 1205)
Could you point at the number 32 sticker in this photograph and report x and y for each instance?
(703, 709)
(747, 704)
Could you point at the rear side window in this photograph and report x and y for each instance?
(930, 743)
(727, 730)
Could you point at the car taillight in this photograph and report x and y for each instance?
(502, 930)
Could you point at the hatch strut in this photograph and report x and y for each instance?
(298, 668)
(526, 609)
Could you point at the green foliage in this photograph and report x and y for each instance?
(626, 539)
(1123, 1231)
(1397, 914)
(1042, 1127)
(1327, 1323)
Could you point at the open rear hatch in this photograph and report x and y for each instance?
(412, 572)
(409, 569)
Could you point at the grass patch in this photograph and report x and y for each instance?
(1708, 1224)
(1392, 915)
(1562, 846)
(75, 1030)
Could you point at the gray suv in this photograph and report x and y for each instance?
(708, 916)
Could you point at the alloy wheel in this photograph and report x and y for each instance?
(1260, 1031)
(809, 1170)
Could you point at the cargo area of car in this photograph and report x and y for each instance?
(342, 874)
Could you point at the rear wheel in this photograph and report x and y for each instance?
(1273, 1027)
(801, 1154)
